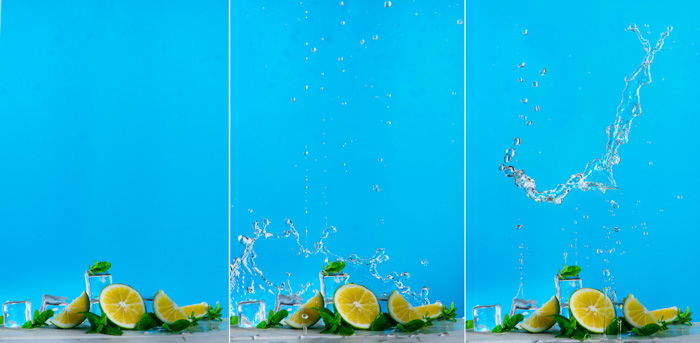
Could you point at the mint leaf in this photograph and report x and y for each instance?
(177, 325)
(147, 322)
(99, 268)
(448, 313)
(382, 322)
(233, 320)
(334, 324)
(411, 326)
(617, 326)
(648, 330)
(100, 324)
(568, 272)
(214, 313)
(39, 319)
(509, 323)
(274, 319)
(569, 328)
(469, 324)
(684, 318)
(334, 267)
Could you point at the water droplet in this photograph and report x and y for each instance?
(522, 64)
(388, 122)
(424, 262)
(616, 229)
(537, 108)
(525, 32)
(375, 37)
(387, 4)
(341, 3)
(313, 49)
(250, 210)
(524, 100)
(521, 80)
(453, 93)
(519, 227)
(460, 21)
(535, 84)
(376, 188)
(528, 123)
(606, 272)
(362, 41)
(293, 99)
(679, 196)
(599, 251)
(380, 159)
(543, 72)
(516, 141)
(343, 22)
(340, 59)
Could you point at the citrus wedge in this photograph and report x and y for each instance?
(431, 311)
(72, 315)
(636, 314)
(400, 309)
(165, 309)
(592, 309)
(666, 315)
(542, 319)
(198, 310)
(306, 315)
(122, 304)
(356, 304)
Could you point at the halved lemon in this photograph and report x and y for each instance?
(592, 309)
(357, 305)
(400, 309)
(198, 310)
(636, 314)
(542, 319)
(165, 309)
(122, 304)
(431, 311)
(73, 314)
(306, 315)
(667, 315)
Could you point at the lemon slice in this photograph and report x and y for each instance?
(306, 316)
(666, 315)
(356, 304)
(122, 304)
(592, 309)
(72, 315)
(542, 319)
(400, 309)
(198, 310)
(636, 314)
(165, 309)
(431, 311)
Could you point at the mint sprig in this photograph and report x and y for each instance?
(684, 318)
(568, 272)
(617, 326)
(334, 267)
(469, 324)
(382, 322)
(334, 323)
(274, 319)
(448, 313)
(569, 328)
(509, 323)
(39, 319)
(649, 329)
(413, 325)
(148, 321)
(100, 324)
(213, 313)
(233, 320)
(178, 325)
(99, 268)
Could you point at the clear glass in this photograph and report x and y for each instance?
(288, 302)
(16, 313)
(331, 282)
(523, 306)
(566, 287)
(95, 283)
(251, 313)
(486, 317)
(53, 303)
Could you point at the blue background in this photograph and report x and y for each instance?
(114, 146)
(587, 54)
(404, 105)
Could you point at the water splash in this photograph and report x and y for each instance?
(598, 174)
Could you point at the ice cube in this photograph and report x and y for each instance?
(565, 287)
(486, 317)
(288, 302)
(94, 283)
(251, 313)
(17, 313)
(53, 303)
(522, 306)
(330, 282)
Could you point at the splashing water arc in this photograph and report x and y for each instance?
(598, 173)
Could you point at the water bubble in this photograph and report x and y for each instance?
(525, 32)
(304, 315)
(524, 100)
(616, 229)
(375, 37)
(340, 59)
(376, 188)
(543, 72)
(460, 21)
(521, 80)
(522, 64)
(313, 49)
(679, 196)
(387, 4)
(519, 227)
(362, 41)
(516, 141)
(343, 22)
(250, 210)
(293, 99)
(535, 84)
(341, 3)
(424, 262)
(606, 272)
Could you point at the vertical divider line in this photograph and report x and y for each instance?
(228, 262)
(464, 161)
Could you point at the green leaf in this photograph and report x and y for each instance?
(274, 319)
(469, 324)
(685, 318)
(177, 325)
(99, 268)
(411, 326)
(27, 325)
(214, 313)
(648, 330)
(617, 326)
(147, 322)
(334, 267)
(39, 319)
(509, 323)
(448, 313)
(233, 320)
(112, 330)
(568, 272)
(334, 324)
(100, 324)
(382, 322)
